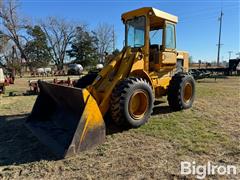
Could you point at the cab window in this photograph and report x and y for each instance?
(170, 37)
(136, 32)
(156, 37)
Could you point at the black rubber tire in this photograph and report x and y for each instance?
(120, 102)
(86, 80)
(175, 93)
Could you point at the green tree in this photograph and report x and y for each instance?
(84, 47)
(37, 49)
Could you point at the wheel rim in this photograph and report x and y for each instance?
(187, 91)
(138, 104)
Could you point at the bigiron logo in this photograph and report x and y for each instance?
(201, 171)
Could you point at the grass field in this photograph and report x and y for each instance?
(210, 131)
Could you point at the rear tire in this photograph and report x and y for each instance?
(132, 102)
(86, 80)
(181, 92)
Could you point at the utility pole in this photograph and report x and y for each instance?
(230, 52)
(219, 38)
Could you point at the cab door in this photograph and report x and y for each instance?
(169, 54)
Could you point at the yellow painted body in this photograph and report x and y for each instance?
(92, 123)
(132, 62)
(77, 114)
(93, 120)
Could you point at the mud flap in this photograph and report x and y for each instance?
(66, 119)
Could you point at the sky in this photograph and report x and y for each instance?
(197, 30)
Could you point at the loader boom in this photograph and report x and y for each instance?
(118, 69)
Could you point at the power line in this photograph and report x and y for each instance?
(208, 18)
(203, 12)
(207, 15)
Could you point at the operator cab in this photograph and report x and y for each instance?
(152, 32)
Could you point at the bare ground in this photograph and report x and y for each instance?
(210, 131)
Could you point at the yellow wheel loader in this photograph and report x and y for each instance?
(69, 120)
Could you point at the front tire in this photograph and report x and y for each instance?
(132, 102)
(181, 92)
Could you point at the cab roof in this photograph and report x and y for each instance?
(156, 16)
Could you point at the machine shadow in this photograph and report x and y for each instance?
(17, 144)
(159, 108)
(111, 127)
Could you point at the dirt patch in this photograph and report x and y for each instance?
(122, 155)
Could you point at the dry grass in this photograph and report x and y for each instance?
(19, 104)
(210, 131)
(16, 105)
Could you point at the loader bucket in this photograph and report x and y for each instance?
(66, 119)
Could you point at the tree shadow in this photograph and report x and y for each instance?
(17, 143)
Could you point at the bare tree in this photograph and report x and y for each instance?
(9, 57)
(12, 25)
(106, 39)
(59, 33)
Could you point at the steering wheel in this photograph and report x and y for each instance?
(138, 45)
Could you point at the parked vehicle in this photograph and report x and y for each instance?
(99, 66)
(43, 71)
(75, 69)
